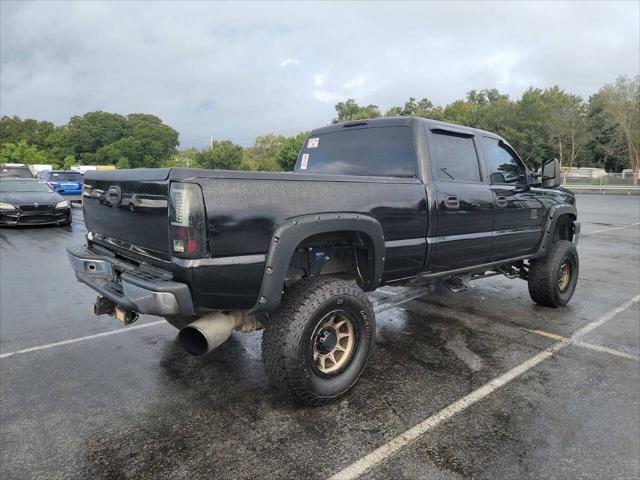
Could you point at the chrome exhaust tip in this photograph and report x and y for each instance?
(207, 333)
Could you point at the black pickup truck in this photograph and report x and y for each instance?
(370, 203)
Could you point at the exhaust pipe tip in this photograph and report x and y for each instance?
(205, 334)
(194, 341)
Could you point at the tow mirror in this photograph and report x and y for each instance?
(551, 174)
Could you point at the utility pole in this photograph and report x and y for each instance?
(210, 142)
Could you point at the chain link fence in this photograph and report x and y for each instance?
(623, 183)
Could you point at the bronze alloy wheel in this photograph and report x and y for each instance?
(564, 275)
(333, 342)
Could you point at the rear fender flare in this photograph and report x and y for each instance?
(554, 214)
(289, 235)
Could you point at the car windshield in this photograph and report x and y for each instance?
(23, 186)
(73, 176)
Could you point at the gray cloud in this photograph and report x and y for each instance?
(237, 70)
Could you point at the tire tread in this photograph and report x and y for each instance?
(282, 337)
(542, 280)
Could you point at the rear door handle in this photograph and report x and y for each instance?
(451, 202)
(501, 201)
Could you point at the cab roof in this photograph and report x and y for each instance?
(403, 122)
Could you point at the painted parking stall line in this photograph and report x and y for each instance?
(590, 346)
(390, 448)
(631, 225)
(378, 309)
(80, 339)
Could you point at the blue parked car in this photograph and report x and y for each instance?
(65, 182)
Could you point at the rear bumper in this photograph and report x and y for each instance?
(132, 287)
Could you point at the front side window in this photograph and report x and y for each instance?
(455, 158)
(504, 167)
(375, 151)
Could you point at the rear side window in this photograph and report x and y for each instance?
(455, 158)
(383, 151)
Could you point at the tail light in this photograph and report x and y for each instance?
(53, 184)
(187, 221)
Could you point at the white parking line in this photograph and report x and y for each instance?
(591, 346)
(387, 450)
(631, 225)
(80, 339)
(381, 308)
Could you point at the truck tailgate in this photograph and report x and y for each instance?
(129, 209)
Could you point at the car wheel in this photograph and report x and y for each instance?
(552, 280)
(318, 343)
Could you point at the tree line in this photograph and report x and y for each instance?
(602, 131)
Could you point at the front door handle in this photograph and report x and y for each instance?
(451, 202)
(501, 201)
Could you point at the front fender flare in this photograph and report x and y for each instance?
(554, 214)
(289, 235)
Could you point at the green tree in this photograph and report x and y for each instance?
(123, 163)
(86, 135)
(422, 108)
(109, 139)
(263, 155)
(22, 152)
(34, 132)
(68, 162)
(57, 147)
(224, 155)
(182, 158)
(566, 122)
(289, 151)
(618, 106)
(349, 110)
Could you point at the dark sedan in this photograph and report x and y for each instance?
(30, 201)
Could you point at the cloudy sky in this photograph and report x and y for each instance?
(237, 70)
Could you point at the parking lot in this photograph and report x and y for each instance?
(481, 384)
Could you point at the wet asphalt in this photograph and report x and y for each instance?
(133, 405)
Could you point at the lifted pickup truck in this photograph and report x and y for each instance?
(371, 202)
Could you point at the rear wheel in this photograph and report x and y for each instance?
(552, 280)
(317, 344)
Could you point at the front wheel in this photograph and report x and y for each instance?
(317, 344)
(552, 280)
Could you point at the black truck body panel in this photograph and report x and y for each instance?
(243, 211)
(418, 224)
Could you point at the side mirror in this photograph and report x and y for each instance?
(551, 174)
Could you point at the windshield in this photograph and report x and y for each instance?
(73, 176)
(23, 186)
(22, 172)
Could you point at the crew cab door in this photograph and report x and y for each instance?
(464, 202)
(519, 214)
